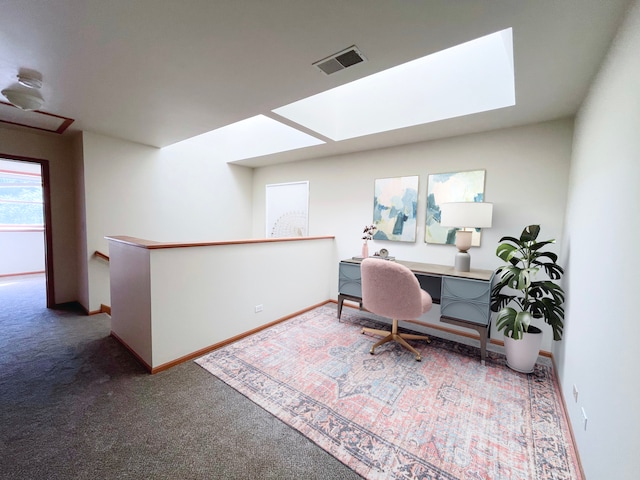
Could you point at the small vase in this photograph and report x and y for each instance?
(365, 250)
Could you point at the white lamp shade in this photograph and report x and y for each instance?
(25, 100)
(466, 214)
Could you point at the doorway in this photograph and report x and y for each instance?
(25, 217)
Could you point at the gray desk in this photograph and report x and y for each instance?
(464, 297)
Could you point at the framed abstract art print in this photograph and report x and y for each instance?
(395, 203)
(451, 187)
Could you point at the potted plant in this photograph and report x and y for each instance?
(519, 298)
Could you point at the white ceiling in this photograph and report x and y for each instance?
(158, 72)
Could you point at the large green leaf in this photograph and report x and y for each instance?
(517, 278)
(554, 271)
(501, 300)
(530, 233)
(538, 245)
(506, 321)
(552, 312)
(538, 257)
(547, 288)
(513, 323)
(510, 239)
(506, 251)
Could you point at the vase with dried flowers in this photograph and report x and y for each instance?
(368, 232)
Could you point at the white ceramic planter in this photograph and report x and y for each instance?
(522, 354)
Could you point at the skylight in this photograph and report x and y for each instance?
(473, 77)
(254, 137)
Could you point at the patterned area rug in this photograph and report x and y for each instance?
(387, 416)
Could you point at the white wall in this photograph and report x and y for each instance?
(527, 170)
(600, 353)
(81, 255)
(21, 252)
(223, 285)
(57, 151)
(177, 194)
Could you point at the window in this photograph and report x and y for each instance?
(21, 204)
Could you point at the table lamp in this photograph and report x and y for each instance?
(463, 215)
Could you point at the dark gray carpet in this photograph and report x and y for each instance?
(75, 404)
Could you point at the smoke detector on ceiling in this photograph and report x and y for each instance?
(341, 60)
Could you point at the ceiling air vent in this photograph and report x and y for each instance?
(341, 60)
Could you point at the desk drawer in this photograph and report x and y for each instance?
(466, 289)
(465, 310)
(350, 280)
(466, 299)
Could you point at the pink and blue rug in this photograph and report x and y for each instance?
(387, 416)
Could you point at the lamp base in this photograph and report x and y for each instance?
(462, 262)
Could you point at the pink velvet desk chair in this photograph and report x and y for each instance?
(391, 290)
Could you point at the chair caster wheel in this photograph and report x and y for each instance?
(418, 359)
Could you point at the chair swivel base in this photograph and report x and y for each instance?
(393, 335)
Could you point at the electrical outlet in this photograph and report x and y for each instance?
(575, 393)
(258, 308)
(584, 416)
